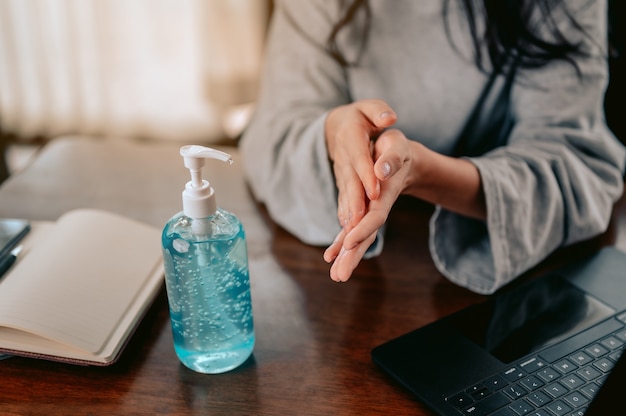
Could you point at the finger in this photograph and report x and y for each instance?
(347, 260)
(362, 161)
(390, 153)
(342, 198)
(357, 205)
(351, 197)
(332, 251)
(377, 213)
(371, 222)
(355, 179)
(378, 112)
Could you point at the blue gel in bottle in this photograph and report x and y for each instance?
(207, 278)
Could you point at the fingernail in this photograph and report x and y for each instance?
(386, 168)
(386, 114)
(329, 259)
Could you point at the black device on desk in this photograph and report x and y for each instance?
(544, 348)
(12, 230)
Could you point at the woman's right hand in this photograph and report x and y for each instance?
(350, 130)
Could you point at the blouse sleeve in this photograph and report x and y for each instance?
(555, 182)
(284, 150)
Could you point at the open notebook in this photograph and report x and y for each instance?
(80, 288)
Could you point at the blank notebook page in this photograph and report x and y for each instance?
(80, 279)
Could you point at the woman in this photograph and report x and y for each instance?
(361, 104)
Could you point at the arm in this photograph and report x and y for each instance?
(286, 161)
(553, 185)
(304, 123)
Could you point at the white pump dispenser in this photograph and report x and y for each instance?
(199, 196)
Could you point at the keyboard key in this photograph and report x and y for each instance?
(538, 398)
(555, 390)
(549, 374)
(581, 358)
(589, 373)
(604, 364)
(559, 408)
(513, 374)
(495, 383)
(596, 350)
(522, 407)
(475, 388)
(615, 355)
(515, 391)
(572, 381)
(460, 400)
(612, 343)
(565, 366)
(532, 365)
(472, 410)
(531, 383)
(590, 390)
(621, 335)
(576, 399)
(478, 392)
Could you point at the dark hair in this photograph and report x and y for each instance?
(509, 30)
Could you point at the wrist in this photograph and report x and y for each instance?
(419, 176)
(453, 183)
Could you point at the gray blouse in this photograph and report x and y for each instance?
(553, 184)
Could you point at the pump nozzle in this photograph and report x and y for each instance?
(199, 196)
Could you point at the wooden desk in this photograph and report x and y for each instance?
(314, 336)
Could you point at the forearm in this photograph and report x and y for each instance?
(452, 183)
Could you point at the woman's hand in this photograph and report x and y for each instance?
(393, 155)
(350, 130)
(403, 166)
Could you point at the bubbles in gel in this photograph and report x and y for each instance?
(208, 290)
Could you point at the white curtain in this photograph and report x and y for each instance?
(181, 70)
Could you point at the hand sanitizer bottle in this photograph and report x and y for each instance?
(206, 276)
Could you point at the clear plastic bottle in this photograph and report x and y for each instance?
(207, 279)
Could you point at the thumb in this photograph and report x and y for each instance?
(390, 154)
